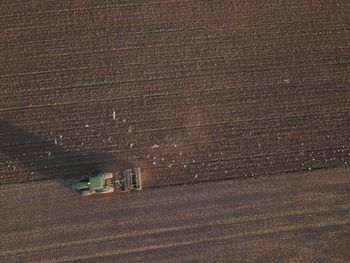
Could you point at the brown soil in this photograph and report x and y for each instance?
(299, 218)
(190, 91)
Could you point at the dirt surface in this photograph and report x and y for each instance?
(190, 91)
(300, 218)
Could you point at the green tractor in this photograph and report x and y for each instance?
(103, 183)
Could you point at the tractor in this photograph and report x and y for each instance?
(103, 183)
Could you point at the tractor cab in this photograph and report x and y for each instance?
(95, 183)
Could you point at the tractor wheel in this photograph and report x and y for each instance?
(109, 182)
(108, 189)
(108, 176)
(86, 193)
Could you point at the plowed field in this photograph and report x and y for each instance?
(190, 91)
(299, 218)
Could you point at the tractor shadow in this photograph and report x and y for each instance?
(41, 158)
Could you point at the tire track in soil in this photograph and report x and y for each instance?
(293, 218)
